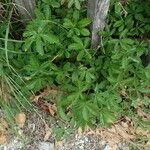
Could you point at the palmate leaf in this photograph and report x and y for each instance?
(70, 3)
(68, 23)
(84, 22)
(36, 84)
(146, 101)
(47, 11)
(88, 110)
(76, 15)
(85, 32)
(78, 40)
(93, 109)
(89, 76)
(63, 114)
(50, 38)
(39, 45)
(77, 31)
(78, 45)
(144, 90)
(128, 41)
(62, 2)
(118, 9)
(147, 73)
(85, 113)
(29, 33)
(87, 42)
(77, 4)
(28, 43)
(107, 117)
(118, 23)
(75, 76)
(75, 46)
(80, 55)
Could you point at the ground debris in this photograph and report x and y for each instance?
(46, 146)
(3, 131)
(48, 92)
(20, 119)
(48, 132)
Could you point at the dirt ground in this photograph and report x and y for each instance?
(43, 130)
(37, 134)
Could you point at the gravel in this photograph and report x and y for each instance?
(32, 138)
(46, 146)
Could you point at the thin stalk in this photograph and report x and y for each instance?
(6, 37)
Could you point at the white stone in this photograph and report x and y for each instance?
(107, 147)
(46, 146)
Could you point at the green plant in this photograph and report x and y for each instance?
(98, 86)
(62, 132)
(76, 3)
(12, 97)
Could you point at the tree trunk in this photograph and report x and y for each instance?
(97, 11)
(25, 8)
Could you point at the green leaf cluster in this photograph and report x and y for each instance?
(98, 86)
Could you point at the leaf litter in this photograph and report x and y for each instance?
(3, 131)
(20, 119)
(122, 131)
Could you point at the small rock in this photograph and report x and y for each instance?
(86, 139)
(46, 146)
(81, 147)
(15, 144)
(107, 147)
(103, 142)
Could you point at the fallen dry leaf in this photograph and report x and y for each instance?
(123, 92)
(35, 98)
(113, 146)
(4, 122)
(52, 109)
(148, 95)
(43, 104)
(59, 144)
(47, 91)
(48, 132)
(3, 126)
(145, 116)
(125, 124)
(3, 139)
(20, 119)
(111, 137)
(80, 131)
(123, 133)
(147, 146)
(141, 131)
(50, 90)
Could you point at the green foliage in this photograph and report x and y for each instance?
(76, 3)
(37, 35)
(99, 86)
(12, 95)
(62, 132)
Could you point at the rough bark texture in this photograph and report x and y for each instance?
(97, 10)
(25, 8)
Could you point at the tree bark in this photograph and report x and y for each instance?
(25, 8)
(97, 11)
